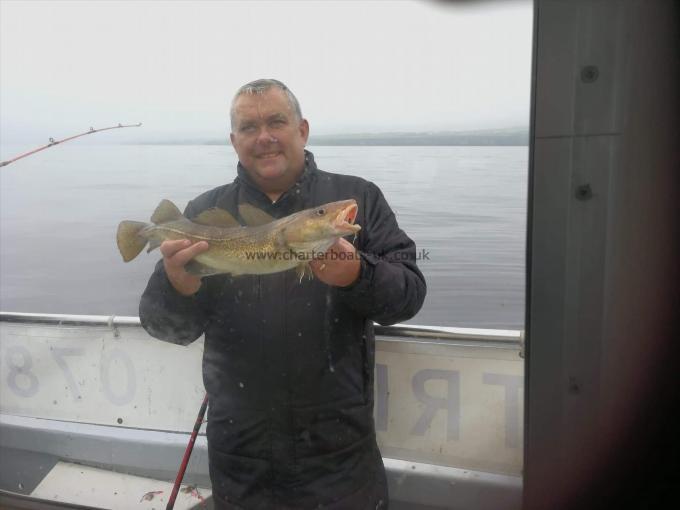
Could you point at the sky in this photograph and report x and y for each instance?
(355, 66)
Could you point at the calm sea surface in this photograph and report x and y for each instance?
(59, 210)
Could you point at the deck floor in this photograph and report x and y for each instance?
(89, 486)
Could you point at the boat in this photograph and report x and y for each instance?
(98, 399)
(557, 416)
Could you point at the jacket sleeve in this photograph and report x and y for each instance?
(168, 315)
(390, 287)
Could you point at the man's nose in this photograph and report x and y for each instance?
(264, 136)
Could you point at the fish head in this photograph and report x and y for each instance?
(320, 225)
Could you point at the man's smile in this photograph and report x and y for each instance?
(268, 155)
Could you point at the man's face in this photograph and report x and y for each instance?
(268, 137)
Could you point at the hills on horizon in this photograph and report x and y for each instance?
(516, 136)
(506, 136)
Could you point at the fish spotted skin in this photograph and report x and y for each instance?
(264, 246)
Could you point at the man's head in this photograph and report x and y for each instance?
(269, 134)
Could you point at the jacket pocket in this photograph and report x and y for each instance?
(330, 428)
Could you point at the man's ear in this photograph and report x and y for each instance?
(231, 137)
(304, 129)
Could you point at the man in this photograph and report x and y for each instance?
(288, 365)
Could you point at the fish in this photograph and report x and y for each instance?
(263, 245)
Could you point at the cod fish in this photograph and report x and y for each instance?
(262, 246)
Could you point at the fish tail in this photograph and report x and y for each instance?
(130, 243)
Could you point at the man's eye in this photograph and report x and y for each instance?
(247, 129)
(278, 123)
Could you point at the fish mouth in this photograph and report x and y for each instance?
(346, 217)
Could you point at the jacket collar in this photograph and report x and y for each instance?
(259, 196)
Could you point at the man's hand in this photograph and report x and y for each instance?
(340, 265)
(175, 255)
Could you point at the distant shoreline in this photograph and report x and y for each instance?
(482, 138)
(509, 137)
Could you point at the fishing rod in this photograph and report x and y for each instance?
(187, 454)
(54, 142)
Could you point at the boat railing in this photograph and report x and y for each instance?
(510, 337)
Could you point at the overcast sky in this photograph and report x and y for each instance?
(355, 66)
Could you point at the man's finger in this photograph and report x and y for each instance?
(169, 248)
(183, 256)
(344, 245)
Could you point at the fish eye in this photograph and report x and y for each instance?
(321, 211)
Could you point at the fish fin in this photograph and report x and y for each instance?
(130, 243)
(254, 217)
(303, 270)
(165, 212)
(216, 217)
(300, 248)
(153, 244)
(280, 240)
(197, 268)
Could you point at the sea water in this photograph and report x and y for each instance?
(465, 207)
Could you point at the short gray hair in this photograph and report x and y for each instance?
(260, 86)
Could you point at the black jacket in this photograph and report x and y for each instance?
(288, 366)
